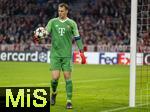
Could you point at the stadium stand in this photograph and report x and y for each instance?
(103, 25)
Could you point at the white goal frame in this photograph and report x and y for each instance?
(133, 41)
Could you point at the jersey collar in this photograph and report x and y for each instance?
(63, 20)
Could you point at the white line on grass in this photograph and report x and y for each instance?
(123, 108)
(48, 84)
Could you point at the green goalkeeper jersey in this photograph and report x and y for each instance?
(62, 32)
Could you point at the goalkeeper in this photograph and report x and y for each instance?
(63, 30)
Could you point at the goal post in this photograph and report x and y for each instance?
(133, 41)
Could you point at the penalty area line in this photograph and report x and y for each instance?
(48, 84)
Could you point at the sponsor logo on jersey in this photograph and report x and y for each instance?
(61, 31)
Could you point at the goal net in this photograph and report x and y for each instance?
(142, 98)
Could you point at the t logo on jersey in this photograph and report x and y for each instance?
(61, 31)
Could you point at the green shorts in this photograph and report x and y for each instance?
(62, 63)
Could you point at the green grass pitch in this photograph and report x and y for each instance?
(96, 88)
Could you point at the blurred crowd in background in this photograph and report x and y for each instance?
(104, 25)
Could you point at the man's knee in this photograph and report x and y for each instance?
(56, 74)
(67, 75)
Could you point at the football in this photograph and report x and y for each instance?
(41, 32)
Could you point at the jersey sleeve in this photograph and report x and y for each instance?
(75, 30)
(49, 26)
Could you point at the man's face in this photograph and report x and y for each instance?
(62, 12)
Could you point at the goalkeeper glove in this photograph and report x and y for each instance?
(83, 58)
(36, 39)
